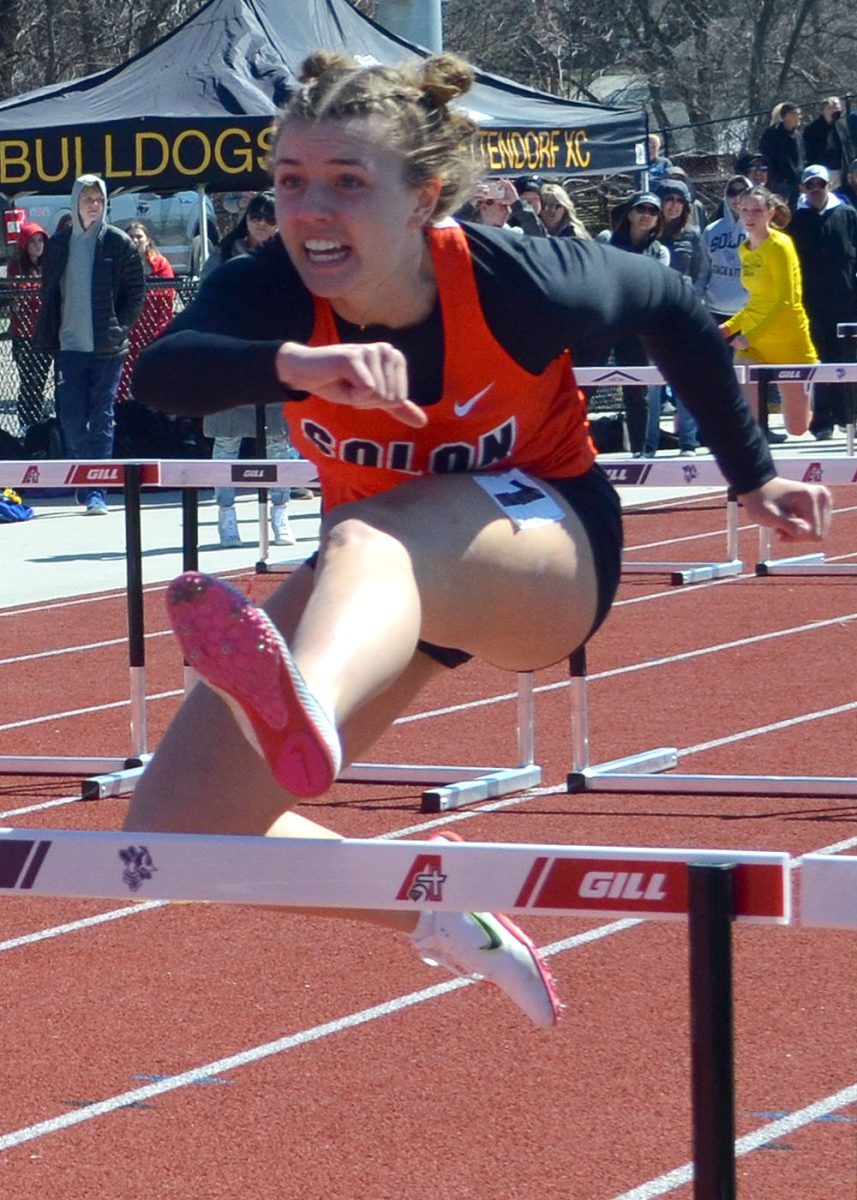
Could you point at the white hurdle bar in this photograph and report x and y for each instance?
(356, 873)
(829, 891)
(813, 563)
(679, 572)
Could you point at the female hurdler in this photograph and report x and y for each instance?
(426, 371)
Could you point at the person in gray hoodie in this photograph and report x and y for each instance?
(92, 293)
(719, 282)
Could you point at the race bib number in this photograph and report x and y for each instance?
(520, 498)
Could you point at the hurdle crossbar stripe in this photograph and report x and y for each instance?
(703, 471)
(585, 881)
(803, 373)
(829, 890)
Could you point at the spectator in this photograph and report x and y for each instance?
(685, 248)
(772, 327)
(783, 150)
(92, 293)
(658, 162)
(698, 215)
(638, 225)
(758, 171)
(529, 189)
(824, 231)
(848, 190)
(256, 225)
(157, 308)
(33, 365)
(559, 214)
(827, 142)
(719, 282)
(197, 262)
(496, 202)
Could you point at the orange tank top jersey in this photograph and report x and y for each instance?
(492, 414)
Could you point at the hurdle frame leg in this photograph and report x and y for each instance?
(451, 786)
(653, 771)
(112, 768)
(701, 572)
(711, 892)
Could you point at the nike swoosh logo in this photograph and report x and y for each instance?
(461, 410)
(494, 941)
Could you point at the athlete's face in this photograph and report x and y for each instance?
(755, 215)
(351, 224)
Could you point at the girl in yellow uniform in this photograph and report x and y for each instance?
(772, 327)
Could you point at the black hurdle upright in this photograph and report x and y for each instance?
(116, 783)
(712, 910)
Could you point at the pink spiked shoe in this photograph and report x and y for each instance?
(238, 651)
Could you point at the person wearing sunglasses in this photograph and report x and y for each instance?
(721, 289)
(637, 227)
(559, 214)
(824, 231)
(257, 224)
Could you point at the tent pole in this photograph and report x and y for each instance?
(418, 21)
(203, 224)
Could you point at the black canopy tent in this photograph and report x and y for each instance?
(195, 109)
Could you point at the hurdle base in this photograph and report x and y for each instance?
(264, 567)
(804, 564)
(114, 783)
(726, 785)
(459, 785)
(681, 573)
(649, 762)
(67, 765)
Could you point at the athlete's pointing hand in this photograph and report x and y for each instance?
(373, 375)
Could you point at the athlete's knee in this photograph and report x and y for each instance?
(363, 529)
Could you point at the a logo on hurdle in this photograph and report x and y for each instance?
(254, 474)
(31, 475)
(425, 879)
(628, 473)
(814, 473)
(138, 867)
(689, 472)
(90, 474)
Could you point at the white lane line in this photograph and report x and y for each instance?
(81, 649)
(40, 807)
(751, 1141)
(116, 914)
(666, 660)
(83, 712)
(256, 1053)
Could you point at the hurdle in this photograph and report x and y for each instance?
(679, 572)
(839, 373)
(446, 785)
(644, 772)
(708, 889)
(61, 473)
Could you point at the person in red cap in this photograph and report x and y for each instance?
(33, 365)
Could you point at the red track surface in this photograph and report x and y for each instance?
(327, 1097)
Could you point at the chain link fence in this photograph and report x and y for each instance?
(27, 378)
